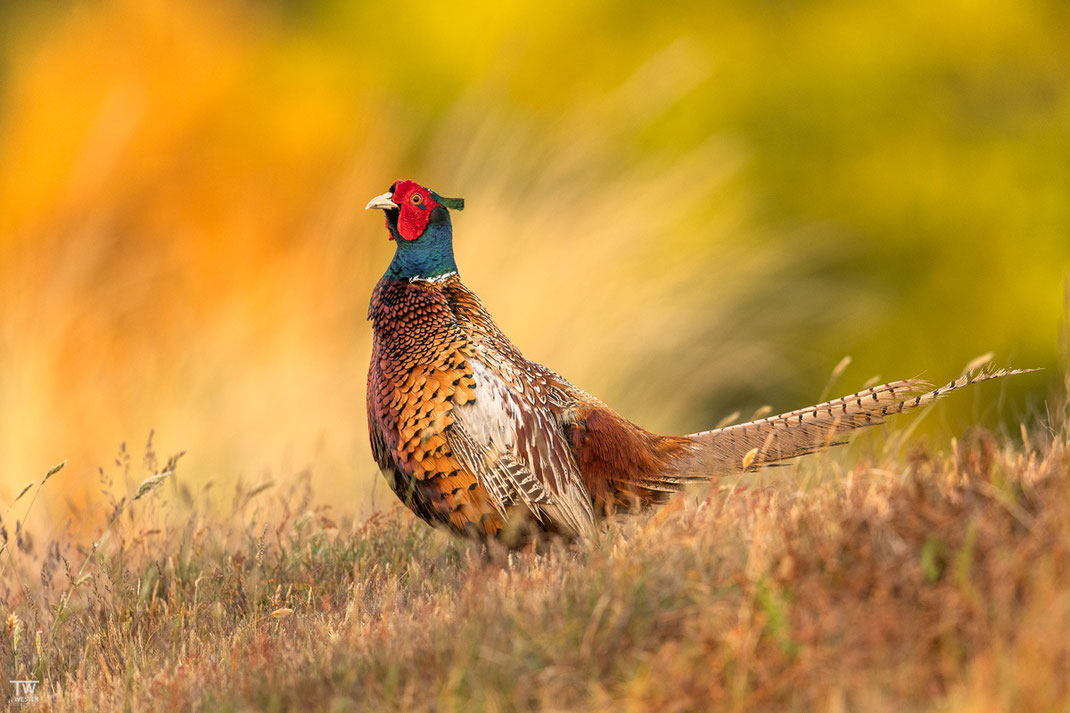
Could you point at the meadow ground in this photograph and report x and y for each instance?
(929, 580)
(686, 213)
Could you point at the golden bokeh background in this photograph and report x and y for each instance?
(685, 209)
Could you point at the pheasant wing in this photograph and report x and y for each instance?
(515, 448)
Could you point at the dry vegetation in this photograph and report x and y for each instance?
(938, 581)
(183, 246)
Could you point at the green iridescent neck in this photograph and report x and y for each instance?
(428, 257)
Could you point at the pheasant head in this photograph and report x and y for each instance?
(418, 220)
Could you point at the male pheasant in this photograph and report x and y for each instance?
(473, 436)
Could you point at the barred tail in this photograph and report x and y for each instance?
(746, 446)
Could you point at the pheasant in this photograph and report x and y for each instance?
(473, 436)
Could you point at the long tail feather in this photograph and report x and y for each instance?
(746, 446)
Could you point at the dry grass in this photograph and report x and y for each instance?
(936, 582)
(183, 246)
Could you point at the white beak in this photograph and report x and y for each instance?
(383, 202)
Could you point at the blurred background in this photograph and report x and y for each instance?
(686, 212)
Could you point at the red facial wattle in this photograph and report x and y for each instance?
(414, 208)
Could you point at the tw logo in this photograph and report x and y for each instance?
(25, 691)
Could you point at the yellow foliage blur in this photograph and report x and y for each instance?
(684, 212)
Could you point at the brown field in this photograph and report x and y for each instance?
(938, 580)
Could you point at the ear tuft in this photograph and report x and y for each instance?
(452, 203)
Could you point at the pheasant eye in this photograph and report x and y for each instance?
(416, 198)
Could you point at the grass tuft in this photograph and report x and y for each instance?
(932, 582)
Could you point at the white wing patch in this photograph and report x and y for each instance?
(516, 450)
